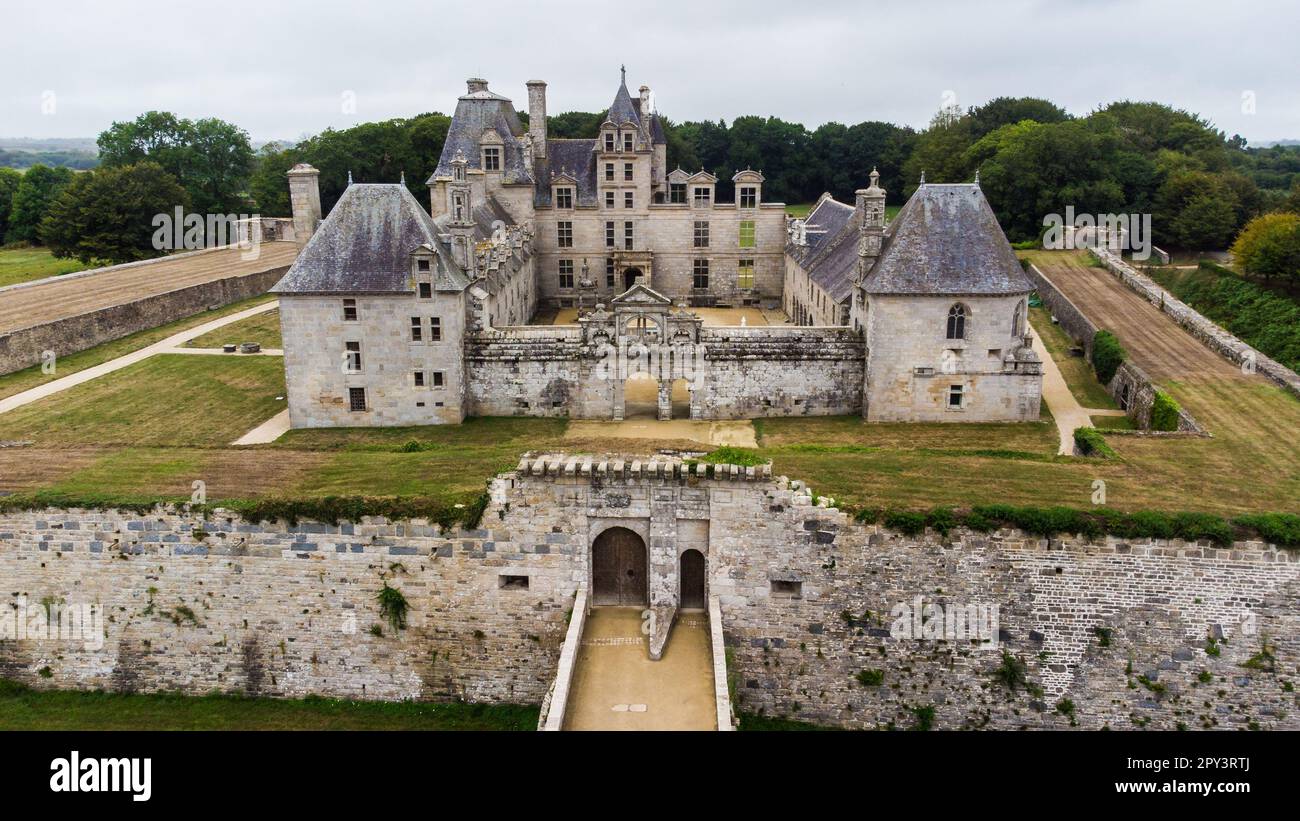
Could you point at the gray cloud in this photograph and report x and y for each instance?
(280, 69)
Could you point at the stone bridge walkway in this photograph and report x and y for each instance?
(617, 687)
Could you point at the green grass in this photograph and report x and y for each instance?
(753, 722)
(28, 378)
(800, 210)
(1078, 374)
(168, 399)
(22, 708)
(1112, 423)
(26, 264)
(264, 329)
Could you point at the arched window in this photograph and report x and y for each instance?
(957, 322)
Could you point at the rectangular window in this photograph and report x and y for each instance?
(491, 158)
(677, 192)
(785, 589)
(426, 290)
(700, 280)
(628, 199)
(629, 236)
(566, 273)
(422, 265)
(435, 329)
(627, 171)
(609, 234)
(956, 393)
(356, 399)
(564, 234)
(506, 582)
(609, 270)
(609, 199)
(702, 197)
(627, 140)
(419, 379)
(353, 356)
(609, 169)
(746, 233)
(701, 234)
(437, 379)
(349, 310)
(609, 146)
(745, 273)
(416, 333)
(564, 198)
(748, 196)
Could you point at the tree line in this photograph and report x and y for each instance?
(1033, 158)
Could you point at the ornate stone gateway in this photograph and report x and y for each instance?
(618, 569)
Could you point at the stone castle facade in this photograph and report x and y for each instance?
(394, 314)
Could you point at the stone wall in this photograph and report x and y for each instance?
(1072, 320)
(22, 348)
(1120, 628)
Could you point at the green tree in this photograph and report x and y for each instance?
(37, 189)
(108, 214)
(1002, 111)
(9, 180)
(940, 151)
(1269, 246)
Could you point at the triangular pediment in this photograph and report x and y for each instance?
(640, 296)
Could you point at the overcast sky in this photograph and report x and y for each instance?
(283, 69)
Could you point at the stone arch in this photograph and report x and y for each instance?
(620, 562)
(691, 580)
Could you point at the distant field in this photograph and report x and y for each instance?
(25, 264)
(800, 210)
(23, 708)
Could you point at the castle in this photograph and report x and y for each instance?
(394, 314)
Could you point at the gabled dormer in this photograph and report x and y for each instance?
(564, 191)
(424, 264)
(749, 188)
(700, 189)
(677, 181)
(492, 152)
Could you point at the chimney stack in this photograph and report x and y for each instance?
(537, 117)
(476, 84)
(304, 199)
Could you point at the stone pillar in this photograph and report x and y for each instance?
(665, 399)
(304, 199)
(537, 117)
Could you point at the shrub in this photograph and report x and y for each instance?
(1279, 528)
(1091, 443)
(1107, 356)
(870, 677)
(907, 522)
(1012, 672)
(1164, 412)
(392, 607)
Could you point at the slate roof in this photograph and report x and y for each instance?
(475, 113)
(946, 240)
(574, 157)
(622, 110)
(831, 255)
(364, 246)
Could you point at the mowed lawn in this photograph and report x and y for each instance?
(1076, 370)
(26, 264)
(264, 329)
(168, 399)
(23, 708)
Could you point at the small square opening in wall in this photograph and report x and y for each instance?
(507, 582)
(787, 589)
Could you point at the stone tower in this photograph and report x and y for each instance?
(459, 208)
(870, 206)
(304, 200)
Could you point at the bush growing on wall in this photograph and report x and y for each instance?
(1107, 355)
(1164, 412)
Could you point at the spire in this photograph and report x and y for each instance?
(349, 177)
(922, 178)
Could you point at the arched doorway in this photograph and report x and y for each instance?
(690, 579)
(618, 569)
(629, 277)
(681, 399)
(641, 397)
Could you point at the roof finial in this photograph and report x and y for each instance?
(977, 176)
(404, 176)
(922, 178)
(622, 69)
(349, 176)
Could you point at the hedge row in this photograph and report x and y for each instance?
(330, 509)
(1164, 412)
(1107, 355)
(1091, 443)
(1282, 529)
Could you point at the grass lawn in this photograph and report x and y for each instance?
(22, 708)
(263, 329)
(19, 381)
(800, 210)
(167, 399)
(25, 264)
(1078, 374)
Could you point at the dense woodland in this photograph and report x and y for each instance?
(1201, 186)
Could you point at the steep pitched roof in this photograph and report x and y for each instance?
(622, 110)
(476, 113)
(573, 157)
(364, 245)
(947, 240)
(831, 254)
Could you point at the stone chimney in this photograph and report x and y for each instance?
(537, 117)
(304, 199)
(476, 84)
(870, 207)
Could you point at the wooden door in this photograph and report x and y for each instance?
(691, 579)
(618, 569)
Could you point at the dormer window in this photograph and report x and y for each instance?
(458, 173)
(748, 196)
(702, 196)
(491, 158)
(677, 192)
(564, 197)
(609, 142)
(627, 140)
(422, 265)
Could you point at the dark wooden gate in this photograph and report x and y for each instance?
(618, 569)
(691, 579)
